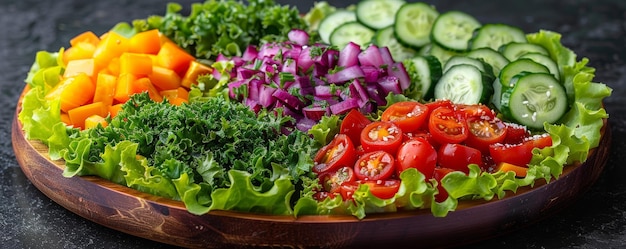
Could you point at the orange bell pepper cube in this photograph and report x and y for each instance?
(146, 42)
(134, 63)
(110, 46)
(114, 109)
(82, 50)
(518, 170)
(95, 120)
(79, 114)
(114, 66)
(145, 85)
(178, 101)
(180, 92)
(65, 118)
(73, 91)
(87, 36)
(174, 57)
(164, 78)
(195, 69)
(124, 88)
(75, 67)
(105, 88)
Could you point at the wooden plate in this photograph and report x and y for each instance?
(168, 221)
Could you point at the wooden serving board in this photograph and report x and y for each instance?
(167, 221)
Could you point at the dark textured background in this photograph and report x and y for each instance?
(593, 29)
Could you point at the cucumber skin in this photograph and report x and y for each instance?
(486, 83)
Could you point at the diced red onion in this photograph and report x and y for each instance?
(346, 74)
(349, 55)
(385, 54)
(398, 70)
(344, 106)
(389, 84)
(288, 99)
(371, 57)
(298, 36)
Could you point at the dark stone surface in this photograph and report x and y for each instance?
(593, 29)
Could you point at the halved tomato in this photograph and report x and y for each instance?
(379, 135)
(446, 126)
(484, 132)
(377, 165)
(458, 157)
(515, 133)
(338, 153)
(331, 181)
(479, 110)
(408, 115)
(417, 153)
(352, 125)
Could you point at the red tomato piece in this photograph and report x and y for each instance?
(515, 133)
(484, 132)
(339, 152)
(408, 115)
(519, 154)
(446, 127)
(331, 181)
(438, 174)
(417, 153)
(377, 165)
(385, 136)
(381, 189)
(458, 156)
(352, 125)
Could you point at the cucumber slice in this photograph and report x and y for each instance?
(519, 66)
(413, 24)
(494, 35)
(464, 84)
(453, 30)
(424, 71)
(496, 60)
(378, 14)
(386, 38)
(514, 50)
(497, 94)
(545, 60)
(478, 63)
(351, 32)
(441, 53)
(332, 21)
(536, 98)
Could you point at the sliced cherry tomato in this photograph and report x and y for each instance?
(385, 136)
(458, 156)
(377, 165)
(515, 133)
(519, 154)
(417, 153)
(381, 189)
(420, 134)
(408, 115)
(331, 181)
(438, 174)
(439, 103)
(478, 110)
(352, 125)
(446, 126)
(484, 132)
(339, 152)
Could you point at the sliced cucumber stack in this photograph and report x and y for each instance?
(478, 63)
(425, 72)
(453, 30)
(378, 14)
(545, 60)
(414, 21)
(464, 84)
(496, 60)
(535, 99)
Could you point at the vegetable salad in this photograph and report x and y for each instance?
(256, 108)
